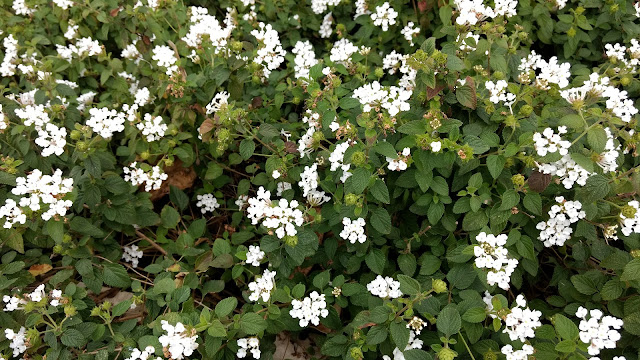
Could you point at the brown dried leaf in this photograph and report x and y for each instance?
(114, 12)
(538, 181)
(178, 176)
(432, 92)
(291, 147)
(40, 269)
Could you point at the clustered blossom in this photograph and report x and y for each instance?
(304, 60)
(567, 170)
(166, 57)
(522, 354)
(270, 52)
(221, 98)
(325, 28)
(399, 164)
(152, 127)
(14, 303)
(341, 52)
(151, 179)
(178, 342)
(353, 230)
(551, 72)
(18, 340)
(310, 309)
(557, 230)
(337, 160)
(414, 343)
(309, 185)
(281, 217)
(105, 122)
(384, 16)
(320, 6)
(8, 66)
(205, 26)
(600, 332)
(608, 159)
(463, 39)
(85, 46)
(262, 286)
(252, 344)
(491, 254)
(385, 287)
(409, 31)
(521, 322)
(472, 11)
(498, 93)
(416, 324)
(281, 187)
(254, 255)
(374, 96)
(51, 138)
(630, 220)
(550, 142)
(132, 254)
(146, 354)
(207, 203)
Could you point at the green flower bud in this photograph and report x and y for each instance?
(57, 249)
(523, 36)
(571, 32)
(223, 135)
(317, 137)
(291, 240)
(76, 135)
(628, 211)
(580, 10)
(358, 158)
(526, 110)
(489, 355)
(635, 253)
(168, 162)
(351, 199)
(145, 155)
(236, 46)
(66, 238)
(378, 72)
(511, 121)
(95, 311)
(256, 79)
(356, 353)
(498, 75)
(438, 286)
(446, 354)
(82, 146)
(106, 305)
(518, 180)
(626, 80)
(70, 310)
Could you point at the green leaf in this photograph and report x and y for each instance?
(381, 221)
(247, 147)
(573, 121)
(597, 138)
(631, 271)
(583, 284)
(55, 230)
(72, 338)
(565, 328)
(164, 286)
(116, 275)
(170, 217)
(399, 334)
(380, 192)
(252, 323)
(408, 285)
(611, 290)
(475, 315)
(213, 171)
(466, 94)
(216, 329)
(377, 335)
(429, 45)
(348, 102)
(495, 164)
(596, 188)
(632, 323)
(416, 354)
(226, 306)
(385, 149)
(533, 203)
(407, 264)
(376, 260)
(566, 346)
(178, 197)
(321, 280)
(121, 308)
(358, 181)
(448, 321)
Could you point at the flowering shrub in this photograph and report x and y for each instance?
(389, 179)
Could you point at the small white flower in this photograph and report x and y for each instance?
(207, 203)
(262, 286)
(254, 255)
(353, 230)
(384, 287)
(310, 309)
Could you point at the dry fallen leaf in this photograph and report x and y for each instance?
(177, 176)
(40, 269)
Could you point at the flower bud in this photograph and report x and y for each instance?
(70, 310)
(351, 199)
(356, 353)
(635, 253)
(438, 286)
(446, 354)
(378, 72)
(76, 135)
(291, 240)
(489, 355)
(526, 110)
(82, 146)
(628, 211)
(511, 121)
(145, 155)
(518, 180)
(358, 158)
(626, 80)
(571, 32)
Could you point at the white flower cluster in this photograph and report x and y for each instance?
(608, 159)
(410, 31)
(498, 93)
(550, 142)
(557, 230)
(4, 123)
(252, 344)
(551, 72)
(106, 122)
(282, 217)
(521, 322)
(8, 66)
(262, 286)
(374, 96)
(310, 309)
(631, 224)
(304, 60)
(384, 16)
(600, 332)
(491, 254)
(567, 170)
(207, 203)
(221, 98)
(132, 254)
(320, 6)
(15, 303)
(523, 354)
(617, 101)
(152, 127)
(385, 287)
(270, 52)
(472, 11)
(207, 26)
(85, 46)
(281, 187)
(399, 164)
(337, 160)
(64, 4)
(51, 138)
(178, 342)
(151, 179)
(414, 343)
(18, 340)
(254, 255)
(166, 57)
(146, 354)
(395, 61)
(305, 142)
(416, 324)
(353, 230)
(309, 185)
(617, 53)
(325, 28)
(341, 52)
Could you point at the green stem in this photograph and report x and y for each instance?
(466, 345)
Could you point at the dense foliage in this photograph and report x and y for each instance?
(402, 179)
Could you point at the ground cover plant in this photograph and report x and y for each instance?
(403, 179)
